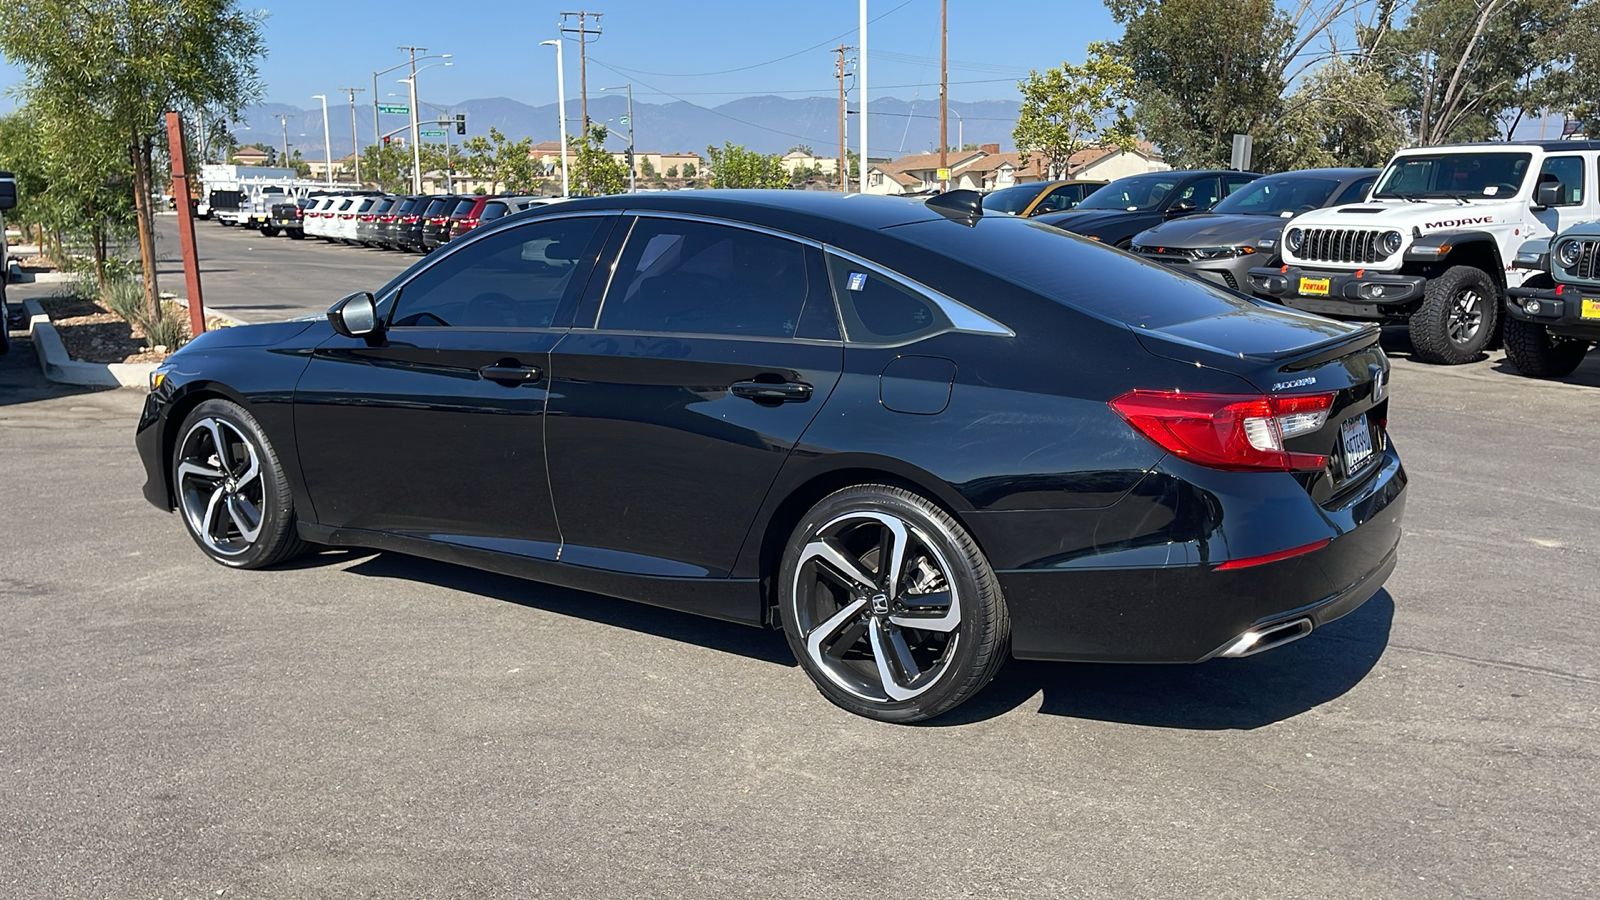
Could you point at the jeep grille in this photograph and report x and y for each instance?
(1348, 245)
(1588, 267)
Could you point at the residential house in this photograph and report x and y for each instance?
(998, 170)
(918, 172)
(250, 156)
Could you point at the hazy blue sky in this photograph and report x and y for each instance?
(664, 47)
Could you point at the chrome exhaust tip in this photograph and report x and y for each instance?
(1259, 640)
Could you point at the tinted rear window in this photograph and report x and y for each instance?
(1073, 271)
(436, 207)
(464, 207)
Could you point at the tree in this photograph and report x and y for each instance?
(387, 166)
(672, 171)
(1573, 81)
(116, 66)
(646, 169)
(733, 166)
(595, 169)
(689, 170)
(1205, 70)
(302, 168)
(1074, 108)
(802, 149)
(1460, 65)
(499, 160)
(1340, 116)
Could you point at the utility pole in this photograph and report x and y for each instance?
(944, 91)
(583, 32)
(284, 119)
(355, 142)
(861, 81)
(844, 160)
(416, 139)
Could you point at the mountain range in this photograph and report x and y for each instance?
(766, 124)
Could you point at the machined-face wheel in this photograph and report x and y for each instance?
(890, 606)
(219, 486)
(231, 490)
(874, 600)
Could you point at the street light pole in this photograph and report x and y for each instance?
(327, 137)
(283, 118)
(376, 129)
(561, 106)
(861, 73)
(633, 181)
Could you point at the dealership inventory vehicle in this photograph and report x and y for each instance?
(8, 200)
(288, 217)
(1243, 229)
(367, 221)
(917, 438)
(1433, 245)
(494, 208)
(1115, 213)
(436, 223)
(1038, 198)
(1554, 318)
(391, 223)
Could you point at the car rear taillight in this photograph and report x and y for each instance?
(386, 218)
(409, 220)
(368, 218)
(1229, 431)
(299, 214)
(468, 223)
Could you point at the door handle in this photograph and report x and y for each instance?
(766, 392)
(511, 375)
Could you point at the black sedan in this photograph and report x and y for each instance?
(916, 438)
(1115, 213)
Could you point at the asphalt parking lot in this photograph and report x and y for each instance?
(372, 725)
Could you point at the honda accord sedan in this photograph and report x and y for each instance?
(916, 438)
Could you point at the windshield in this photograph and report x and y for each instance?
(1454, 175)
(1278, 196)
(1012, 200)
(1136, 193)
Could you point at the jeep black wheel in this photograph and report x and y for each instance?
(1458, 316)
(1534, 353)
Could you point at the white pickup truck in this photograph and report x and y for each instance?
(1434, 244)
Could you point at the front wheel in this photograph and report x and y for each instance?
(231, 488)
(890, 606)
(1457, 318)
(296, 234)
(1536, 354)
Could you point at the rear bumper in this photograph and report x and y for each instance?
(1561, 312)
(1359, 294)
(1172, 603)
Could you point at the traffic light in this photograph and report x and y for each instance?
(461, 123)
(630, 157)
(387, 139)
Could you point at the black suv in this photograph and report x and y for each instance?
(1127, 206)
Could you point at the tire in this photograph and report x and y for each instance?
(268, 231)
(1457, 319)
(1534, 353)
(218, 491)
(857, 639)
(296, 234)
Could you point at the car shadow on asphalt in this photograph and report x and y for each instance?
(760, 644)
(21, 380)
(1223, 694)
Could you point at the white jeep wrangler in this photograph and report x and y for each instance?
(1434, 244)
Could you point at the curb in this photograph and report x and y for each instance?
(20, 277)
(58, 366)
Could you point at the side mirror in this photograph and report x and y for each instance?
(1181, 208)
(356, 316)
(1548, 194)
(8, 191)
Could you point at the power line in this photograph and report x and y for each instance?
(837, 37)
(751, 92)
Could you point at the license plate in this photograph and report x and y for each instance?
(1317, 286)
(1591, 308)
(1357, 440)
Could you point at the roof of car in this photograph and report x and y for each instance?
(1550, 146)
(769, 207)
(1328, 173)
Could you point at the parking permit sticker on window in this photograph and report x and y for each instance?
(858, 281)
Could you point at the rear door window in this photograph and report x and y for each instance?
(686, 277)
(878, 309)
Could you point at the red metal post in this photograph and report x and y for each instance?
(191, 258)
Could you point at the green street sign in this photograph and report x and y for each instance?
(394, 110)
(431, 133)
(624, 120)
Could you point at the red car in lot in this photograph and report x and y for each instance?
(487, 209)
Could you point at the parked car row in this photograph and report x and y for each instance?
(1441, 240)
(415, 222)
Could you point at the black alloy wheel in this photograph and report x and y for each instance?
(231, 489)
(889, 605)
(1457, 318)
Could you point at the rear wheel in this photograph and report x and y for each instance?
(890, 606)
(296, 234)
(268, 231)
(1457, 317)
(231, 488)
(1536, 354)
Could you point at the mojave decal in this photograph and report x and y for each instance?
(1458, 223)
